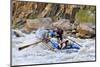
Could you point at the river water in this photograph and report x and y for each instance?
(41, 55)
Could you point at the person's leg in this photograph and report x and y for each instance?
(66, 43)
(63, 46)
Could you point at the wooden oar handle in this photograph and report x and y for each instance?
(20, 48)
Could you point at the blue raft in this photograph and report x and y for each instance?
(54, 43)
(72, 46)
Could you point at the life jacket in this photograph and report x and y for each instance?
(52, 33)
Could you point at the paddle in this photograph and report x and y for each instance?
(49, 46)
(23, 47)
(74, 42)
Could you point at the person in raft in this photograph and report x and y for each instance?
(58, 42)
(54, 38)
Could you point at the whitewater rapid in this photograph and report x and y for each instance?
(41, 55)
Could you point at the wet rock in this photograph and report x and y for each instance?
(17, 33)
(20, 21)
(63, 23)
(34, 24)
(36, 10)
(85, 31)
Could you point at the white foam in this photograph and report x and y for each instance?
(40, 54)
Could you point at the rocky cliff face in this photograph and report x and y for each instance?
(31, 10)
(32, 15)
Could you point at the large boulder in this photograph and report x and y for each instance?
(63, 24)
(17, 33)
(85, 31)
(34, 24)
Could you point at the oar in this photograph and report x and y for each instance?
(49, 46)
(74, 42)
(23, 47)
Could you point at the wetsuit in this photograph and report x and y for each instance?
(60, 34)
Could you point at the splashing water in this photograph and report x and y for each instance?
(42, 55)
